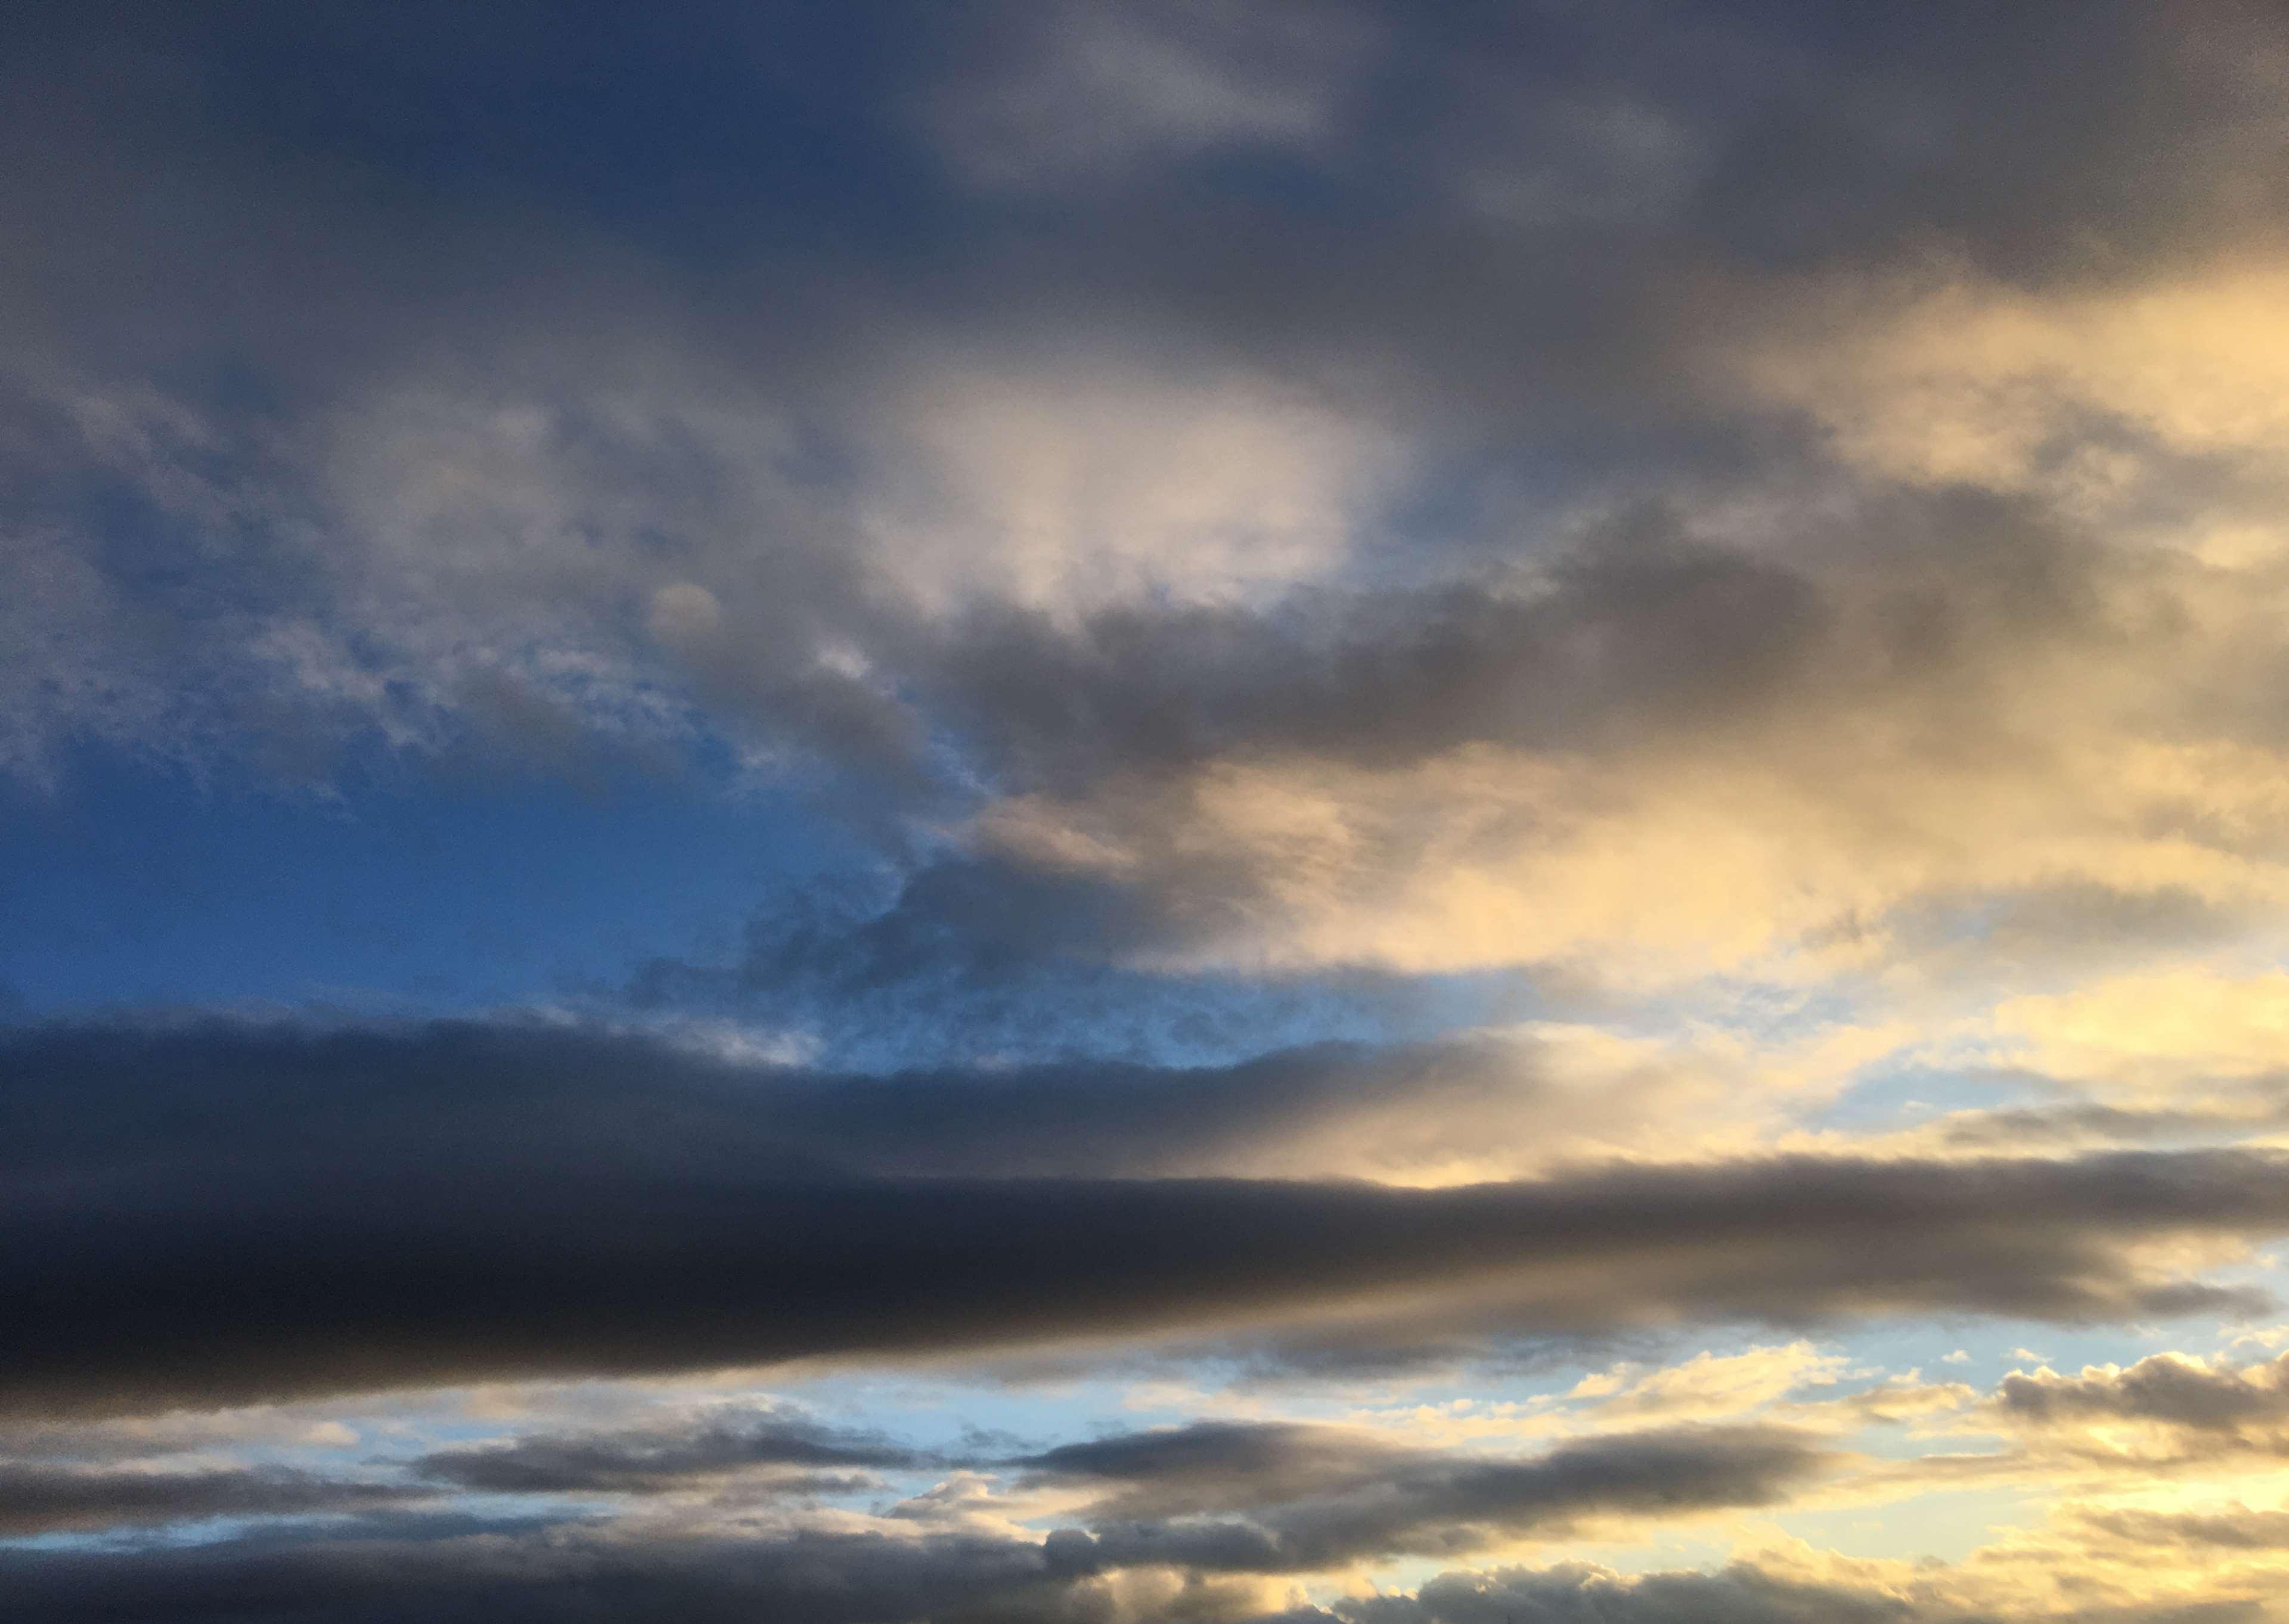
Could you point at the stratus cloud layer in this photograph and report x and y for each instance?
(1554, 733)
(212, 1217)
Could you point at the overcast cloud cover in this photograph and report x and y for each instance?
(1142, 811)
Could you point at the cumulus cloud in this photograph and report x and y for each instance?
(2167, 1405)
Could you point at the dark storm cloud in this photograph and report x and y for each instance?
(635, 1462)
(1285, 1498)
(179, 1239)
(36, 1498)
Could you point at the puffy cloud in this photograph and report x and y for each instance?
(2199, 1407)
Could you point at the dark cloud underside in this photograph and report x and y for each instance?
(383, 1232)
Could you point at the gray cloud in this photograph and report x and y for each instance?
(1638, 636)
(2165, 1388)
(1741, 1593)
(538, 1094)
(648, 1462)
(512, 1574)
(1316, 1498)
(301, 340)
(981, 955)
(2025, 1127)
(182, 1241)
(41, 1498)
(576, 391)
(562, 1574)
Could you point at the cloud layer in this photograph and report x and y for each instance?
(289, 1227)
(1387, 814)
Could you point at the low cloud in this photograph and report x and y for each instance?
(1284, 1498)
(511, 1575)
(195, 1230)
(2170, 1408)
(37, 1498)
(650, 1461)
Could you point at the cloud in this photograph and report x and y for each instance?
(486, 459)
(650, 1460)
(871, 1579)
(559, 1573)
(1576, 1595)
(1278, 1497)
(37, 1498)
(1082, 94)
(1709, 1385)
(185, 1240)
(2176, 1035)
(2239, 1529)
(1658, 751)
(673, 1105)
(1316, 1498)
(1964, 380)
(1278, 537)
(2201, 1407)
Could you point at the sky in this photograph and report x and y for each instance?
(1144, 812)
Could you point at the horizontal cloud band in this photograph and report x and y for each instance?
(385, 1232)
